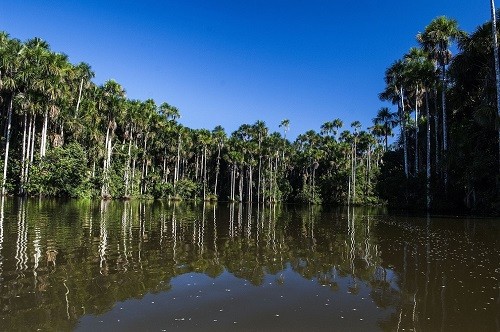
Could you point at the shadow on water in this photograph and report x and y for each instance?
(159, 265)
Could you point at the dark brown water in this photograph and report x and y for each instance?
(129, 266)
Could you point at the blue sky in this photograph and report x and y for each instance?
(229, 62)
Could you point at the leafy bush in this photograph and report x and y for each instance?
(61, 173)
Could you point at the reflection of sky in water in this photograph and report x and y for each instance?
(283, 301)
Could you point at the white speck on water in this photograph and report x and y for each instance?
(153, 302)
(342, 317)
(228, 290)
(221, 310)
(277, 315)
(215, 320)
(354, 309)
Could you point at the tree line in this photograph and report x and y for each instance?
(447, 153)
(65, 136)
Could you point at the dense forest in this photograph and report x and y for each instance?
(65, 136)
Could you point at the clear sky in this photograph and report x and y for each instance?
(231, 62)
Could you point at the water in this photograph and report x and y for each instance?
(128, 266)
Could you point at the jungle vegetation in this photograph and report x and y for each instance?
(446, 156)
(64, 135)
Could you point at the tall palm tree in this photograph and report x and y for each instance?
(285, 124)
(436, 40)
(10, 84)
(396, 85)
(497, 63)
(260, 132)
(112, 99)
(220, 138)
(387, 120)
(85, 74)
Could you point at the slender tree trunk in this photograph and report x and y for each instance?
(497, 64)
(349, 182)
(445, 130)
(240, 187)
(127, 166)
(177, 164)
(386, 134)
(7, 144)
(403, 131)
(436, 133)
(428, 152)
(204, 173)
(233, 180)
(217, 169)
(196, 167)
(354, 172)
(259, 175)
(271, 181)
(416, 132)
(164, 169)
(107, 162)
(142, 177)
(132, 177)
(31, 132)
(79, 97)
(250, 183)
(43, 146)
(33, 137)
(369, 165)
(23, 157)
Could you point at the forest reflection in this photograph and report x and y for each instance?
(60, 260)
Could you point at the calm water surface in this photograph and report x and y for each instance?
(129, 266)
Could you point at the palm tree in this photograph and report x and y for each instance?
(395, 79)
(220, 138)
(436, 40)
(10, 65)
(356, 125)
(387, 120)
(285, 124)
(111, 103)
(260, 131)
(85, 73)
(497, 63)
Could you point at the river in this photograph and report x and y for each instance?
(160, 266)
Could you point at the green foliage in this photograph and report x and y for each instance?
(61, 173)
(114, 147)
(186, 189)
